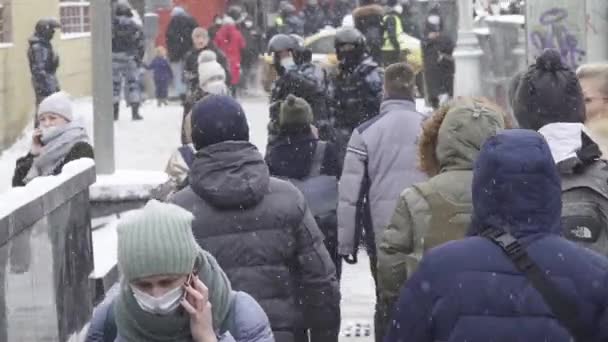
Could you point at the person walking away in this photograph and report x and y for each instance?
(313, 18)
(431, 213)
(179, 42)
(250, 55)
(162, 74)
(217, 24)
(230, 41)
(368, 20)
(259, 228)
(357, 89)
(312, 165)
(201, 42)
(342, 8)
(548, 98)
(393, 35)
(291, 22)
(439, 67)
(476, 289)
(127, 57)
(300, 77)
(57, 141)
(43, 60)
(379, 163)
(171, 289)
(594, 82)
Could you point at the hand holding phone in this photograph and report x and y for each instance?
(196, 303)
(36, 142)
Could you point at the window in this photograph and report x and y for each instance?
(5, 22)
(75, 18)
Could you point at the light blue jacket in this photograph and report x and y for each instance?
(250, 321)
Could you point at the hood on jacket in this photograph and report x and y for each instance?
(571, 145)
(367, 11)
(230, 175)
(516, 186)
(598, 131)
(452, 137)
(177, 11)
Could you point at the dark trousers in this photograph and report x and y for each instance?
(161, 89)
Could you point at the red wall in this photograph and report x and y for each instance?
(202, 10)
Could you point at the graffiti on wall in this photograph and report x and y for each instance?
(555, 31)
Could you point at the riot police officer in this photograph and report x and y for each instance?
(357, 89)
(43, 60)
(127, 57)
(300, 77)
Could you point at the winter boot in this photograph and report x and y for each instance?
(116, 111)
(135, 112)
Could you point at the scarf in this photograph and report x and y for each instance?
(137, 325)
(56, 145)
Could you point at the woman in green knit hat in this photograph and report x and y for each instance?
(171, 289)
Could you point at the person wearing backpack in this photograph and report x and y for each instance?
(380, 162)
(548, 98)
(438, 210)
(515, 278)
(311, 164)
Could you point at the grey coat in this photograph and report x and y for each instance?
(250, 322)
(380, 163)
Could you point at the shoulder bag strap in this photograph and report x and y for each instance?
(564, 309)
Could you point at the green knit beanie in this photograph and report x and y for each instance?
(157, 240)
(295, 111)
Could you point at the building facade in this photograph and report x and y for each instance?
(72, 43)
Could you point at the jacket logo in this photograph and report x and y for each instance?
(581, 232)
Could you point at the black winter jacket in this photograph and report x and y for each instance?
(179, 36)
(43, 66)
(265, 238)
(79, 150)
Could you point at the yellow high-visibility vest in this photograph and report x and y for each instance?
(398, 30)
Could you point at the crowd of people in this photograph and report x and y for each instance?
(480, 224)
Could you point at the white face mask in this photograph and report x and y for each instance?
(434, 20)
(248, 24)
(287, 62)
(162, 305)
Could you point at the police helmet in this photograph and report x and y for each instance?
(123, 9)
(349, 35)
(282, 42)
(46, 27)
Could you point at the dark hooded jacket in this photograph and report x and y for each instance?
(469, 290)
(264, 236)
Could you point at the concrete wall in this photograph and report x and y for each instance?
(16, 94)
(46, 256)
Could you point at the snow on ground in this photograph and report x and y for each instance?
(147, 145)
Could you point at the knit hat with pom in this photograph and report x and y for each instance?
(295, 112)
(548, 92)
(209, 70)
(157, 240)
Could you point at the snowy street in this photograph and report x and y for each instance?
(147, 145)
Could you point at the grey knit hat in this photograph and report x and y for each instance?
(295, 112)
(157, 240)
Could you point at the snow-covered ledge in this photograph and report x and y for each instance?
(46, 256)
(123, 190)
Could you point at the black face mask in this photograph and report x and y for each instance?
(349, 59)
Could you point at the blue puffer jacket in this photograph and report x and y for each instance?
(468, 290)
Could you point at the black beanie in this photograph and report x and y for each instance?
(218, 118)
(548, 92)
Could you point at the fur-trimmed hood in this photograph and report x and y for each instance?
(367, 11)
(453, 136)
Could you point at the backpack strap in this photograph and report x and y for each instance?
(317, 159)
(443, 225)
(563, 308)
